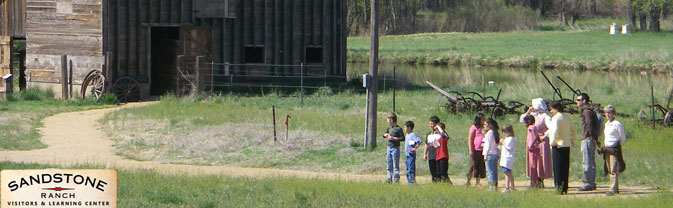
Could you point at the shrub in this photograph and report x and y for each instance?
(34, 94)
(108, 99)
(324, 91)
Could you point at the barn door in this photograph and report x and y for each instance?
(195, 42)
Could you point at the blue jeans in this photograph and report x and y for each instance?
(393, 160)
(492, 169)
(588, 163)
(411, 167)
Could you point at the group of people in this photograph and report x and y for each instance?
(548, 142)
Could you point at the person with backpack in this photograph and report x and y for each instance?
(590, 127)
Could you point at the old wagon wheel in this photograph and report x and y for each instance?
(668, 119)
(93, 85)
(645, 113)
(499, 110)
(444, 103)
(127, 89)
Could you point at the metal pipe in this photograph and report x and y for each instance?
(556, 90)
(652, 95)
(273, 111)
(496, 102)
(301, 95)
(576, 92)
(394, 83)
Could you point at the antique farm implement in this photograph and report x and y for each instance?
(126, 89)
(656, 113)
(454, 101)
(568, 104)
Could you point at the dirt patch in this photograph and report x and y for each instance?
(77, 138)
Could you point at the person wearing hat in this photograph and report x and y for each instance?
(538, 110)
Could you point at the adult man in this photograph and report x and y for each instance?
(589, 134)
(561, 137)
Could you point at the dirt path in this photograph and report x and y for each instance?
(76, 138)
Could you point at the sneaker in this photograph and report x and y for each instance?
(506, 190)
(587, 189)
(468, 185)
(610, 193)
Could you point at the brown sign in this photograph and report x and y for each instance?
(58, 188)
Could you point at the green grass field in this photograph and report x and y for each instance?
(141, 188)
(326, 133)
(21, 115)
(583, 49)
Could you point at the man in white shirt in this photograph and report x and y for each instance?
(562, 137)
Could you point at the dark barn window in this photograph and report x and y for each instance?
(254, 54)
(313, 54)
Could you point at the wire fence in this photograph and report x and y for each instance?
(231, 78)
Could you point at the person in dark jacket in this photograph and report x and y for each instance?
(589, 135)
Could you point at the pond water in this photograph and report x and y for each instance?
(628, 89)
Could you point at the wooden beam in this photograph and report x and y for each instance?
(64, 77)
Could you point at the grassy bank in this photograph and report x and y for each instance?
(21, 115)
(590, 49)
(140, 188)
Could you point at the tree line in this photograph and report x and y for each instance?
(414, 16)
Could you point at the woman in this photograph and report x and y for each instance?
(612, 151)
(544, 166)
(477, 166)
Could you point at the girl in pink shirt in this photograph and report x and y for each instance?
(533, 156)
(477, 167)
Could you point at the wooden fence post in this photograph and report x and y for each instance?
(198, 73)
(107, 70)
(64, 77)
(9, 84)
(70, 81)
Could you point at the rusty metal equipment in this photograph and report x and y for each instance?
(656, 113)
(568, 104)
(454, 101)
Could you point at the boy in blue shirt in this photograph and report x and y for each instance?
(412, 142)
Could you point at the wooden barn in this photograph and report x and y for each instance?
(12, 17)
(140, 40)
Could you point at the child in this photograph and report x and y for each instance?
(533, 155)
(507, 157)
(474, 141)
(442, 154)
(429, 148)
(394, 135)
(490, 152)
(412, 142)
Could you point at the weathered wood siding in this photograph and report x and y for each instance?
(12, 18)
(63, 27)
(86, 29)
(283, 28)
(5, 54)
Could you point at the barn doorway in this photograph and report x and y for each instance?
(164, 57)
